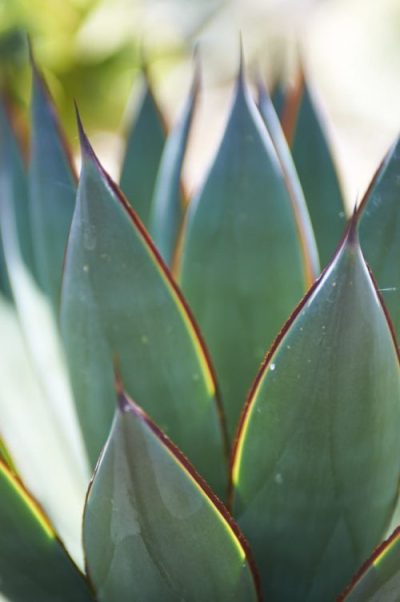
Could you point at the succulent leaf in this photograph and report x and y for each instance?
(152, 529)
(306, 234)
(380, 230)
(379, 579)
(143, 153)
(306, 137)
(242, 267)
(119, 303)
(52, 189)
(316, 466)
(33, 563)
(39, 400)
(166, 212)
(11, 166)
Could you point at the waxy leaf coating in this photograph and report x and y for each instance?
(143, 153)
(167, 206)
(33, 563)
(380, 230)
(13, 176)
(379, 579)
(313, 160)
(306, 234)
(119, 303)
(242, 267)
(317, 460)
(152, 530)
(52, 189)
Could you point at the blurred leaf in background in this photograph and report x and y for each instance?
(76, 63)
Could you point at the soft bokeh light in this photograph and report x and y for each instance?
(91, 50)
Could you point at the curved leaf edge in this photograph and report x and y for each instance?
(380, 170)
(39, 81)
(125, 404)
(39, 515)
(378, 553)
(350, 237)
(147, 87)
(290, 115)
(304, 227)
(192, 101)
(88, 151)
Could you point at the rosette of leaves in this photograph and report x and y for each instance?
(238, 409)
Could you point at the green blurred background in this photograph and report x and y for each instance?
(91, 50)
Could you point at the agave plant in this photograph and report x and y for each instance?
(148, 337)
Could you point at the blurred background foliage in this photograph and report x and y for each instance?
(92, 50)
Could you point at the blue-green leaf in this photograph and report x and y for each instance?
(120, 302)
(11, 162)
(52, 188)
(33, 563)
(152, 529)
(317, 460)
(143, 153)
(317, 173)
(243, 267)
(292, 181)
(35, 355)
(167, 206)
(380, 230)
(378, 580)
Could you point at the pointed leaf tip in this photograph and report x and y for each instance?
(107, 244)
(330, 378)
(241, 53)
(145, 484)
(86, 147)
(241, 71)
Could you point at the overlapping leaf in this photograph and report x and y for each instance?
(380, 230)
(307, 139)
(292, 181)
(36, 406)
(33, 563)
(12, 167)
(167, 206)
(152, 530)
(243, 266)
(143, 153)
(120, 303)
(317, 461)
(52, 188)
(379, 579)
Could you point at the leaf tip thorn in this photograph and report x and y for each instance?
(86, 147)
(241, 60)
